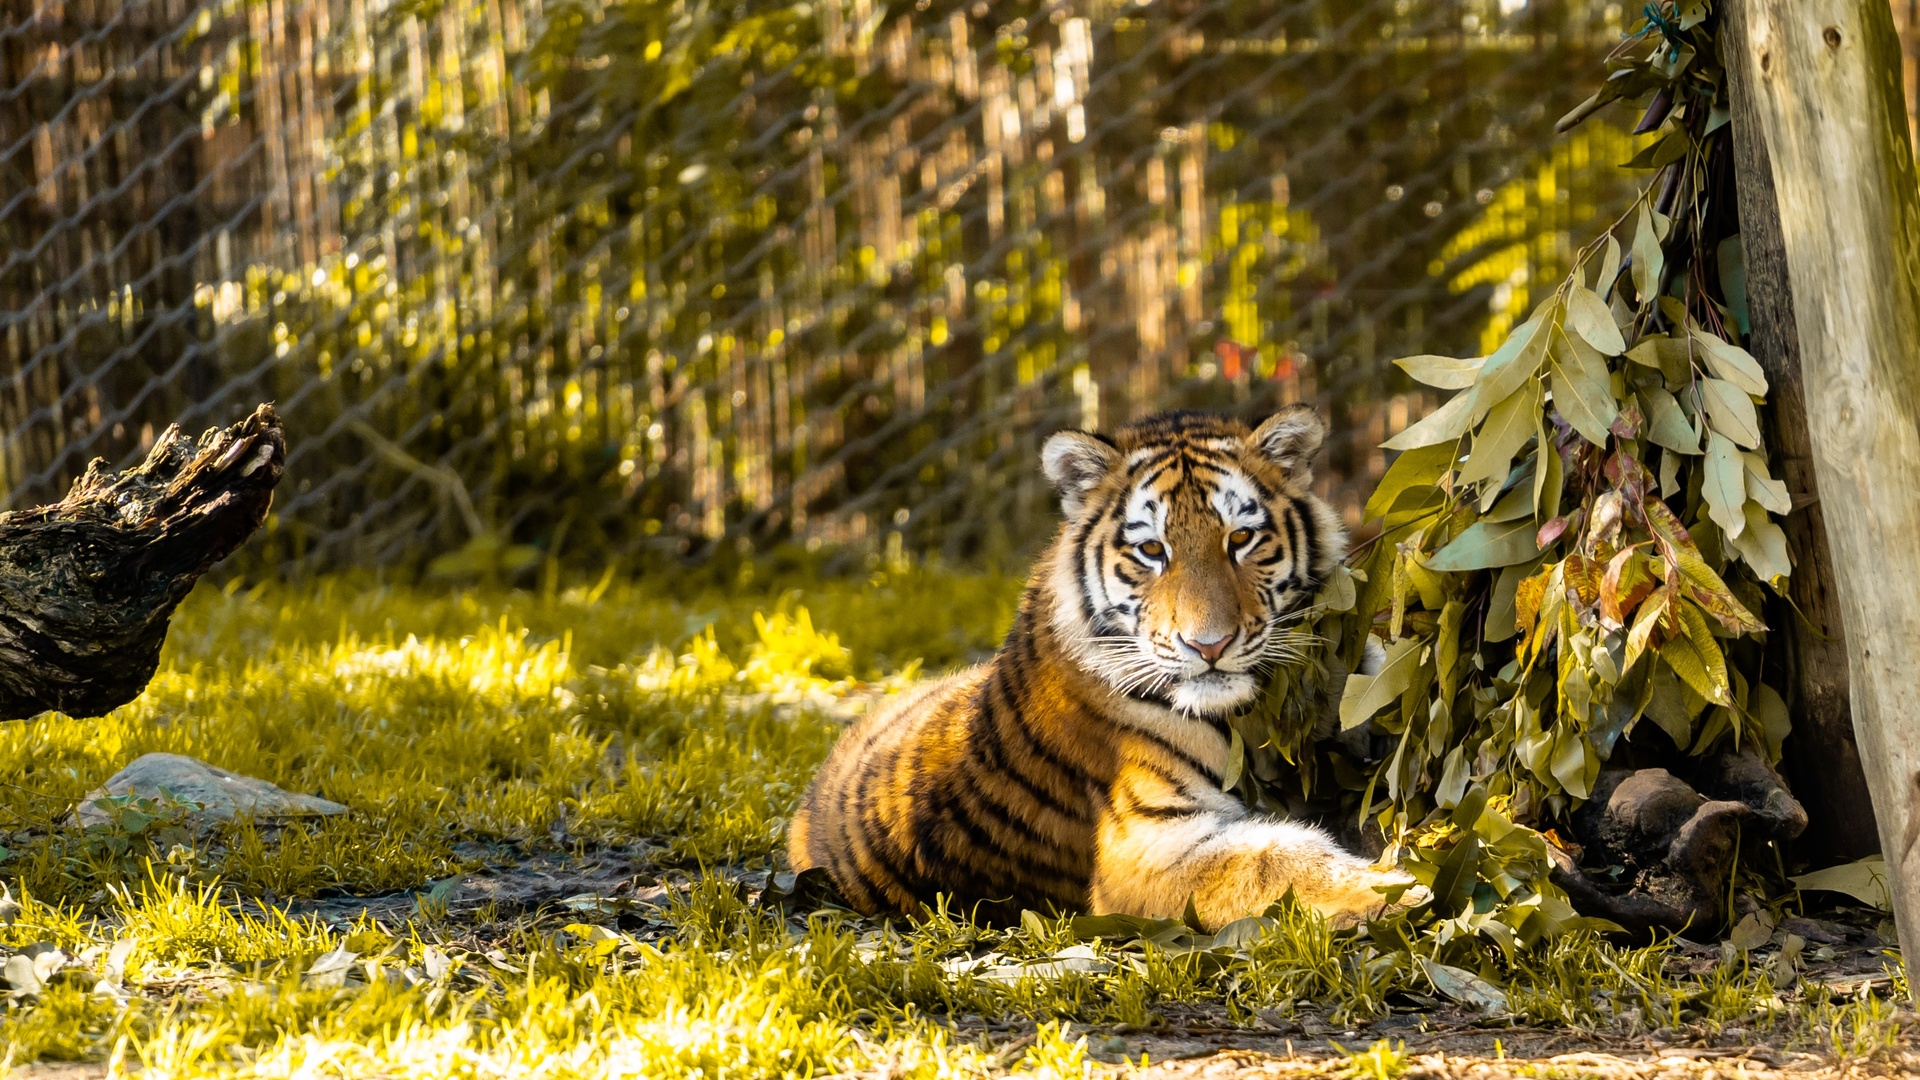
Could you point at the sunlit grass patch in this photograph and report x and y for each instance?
(677, 729)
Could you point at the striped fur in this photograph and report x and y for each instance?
(1080, 768)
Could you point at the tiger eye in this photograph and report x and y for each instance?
(1153, 549)
(1239, 536)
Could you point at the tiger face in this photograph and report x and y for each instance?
(1190, 543)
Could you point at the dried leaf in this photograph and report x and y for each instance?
(1731, 412)
(1704, 586)
(1723, 485)
(1443, 425)
(1466, 988)
(1588, 316)
(1865, 881)
(1629, 580)
(1647, 626)
(1444, 372)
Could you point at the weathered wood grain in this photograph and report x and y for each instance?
(1824, 76)
(87, 584)
(1822, 761)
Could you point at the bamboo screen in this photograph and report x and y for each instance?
(618, 280)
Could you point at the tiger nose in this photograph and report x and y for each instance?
(1209, 651)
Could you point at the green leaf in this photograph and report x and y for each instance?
(1453, 883)
(1582, 391)
(1514, 363)
(1549, 474)
(1515, 504)
(1723, 485)
(1732, 363)
(1731, 412)
(1453, 779)
(1365, 695)
(1421, 467)
(1589, 317)
(1443, 425)
(1609, 269)
(1649, 262)
(1570, 756)
(1236, 761)
(1666, 425)
(1762, 487)
(1775, 723)
(1339, 593)
(1444, 372)
(1484, 545)
(1762, 545)
(1507, 429)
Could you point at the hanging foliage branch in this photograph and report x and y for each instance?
(1575, 548)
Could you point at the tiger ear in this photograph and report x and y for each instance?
(1076, 462)
(1291, 437)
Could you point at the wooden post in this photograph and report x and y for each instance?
(1824, 78)
(1808, 641)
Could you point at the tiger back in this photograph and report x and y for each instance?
(1080, 768)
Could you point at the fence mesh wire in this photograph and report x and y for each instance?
(617, 279)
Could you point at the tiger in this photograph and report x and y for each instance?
(1080, 769)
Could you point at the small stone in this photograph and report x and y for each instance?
(202, 790)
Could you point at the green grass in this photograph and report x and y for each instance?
(458, 726)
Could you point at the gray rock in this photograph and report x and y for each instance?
(202, 790)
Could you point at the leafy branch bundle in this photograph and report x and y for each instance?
(1576, 543)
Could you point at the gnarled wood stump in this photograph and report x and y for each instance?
(87, 584)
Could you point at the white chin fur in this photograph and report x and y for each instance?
(1212, 694)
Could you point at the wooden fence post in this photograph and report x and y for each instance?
(1808, 639)
(1824, 79)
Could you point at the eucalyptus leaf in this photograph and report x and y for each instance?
(1444, 372)
(1609, 269)
(1516, 361)
(1365, 695)
(1582, 390)
(1666, 425)
(1732, 363)
(1419, 468)
(1762, 487)
(1508, 427)
(1762, 545)
(1723, 485)
(1649, 261)
(1589, 317)
(1731, 412)
(1443, 425)
(1484, 545)
(1549, 474)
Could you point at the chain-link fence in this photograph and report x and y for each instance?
(610, 278)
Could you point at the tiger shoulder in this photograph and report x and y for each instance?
(1080, 768)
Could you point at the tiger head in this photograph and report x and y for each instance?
(1190, 543)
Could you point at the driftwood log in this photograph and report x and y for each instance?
(87, 584)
